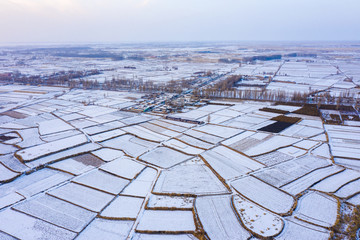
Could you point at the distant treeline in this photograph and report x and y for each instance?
(62, 78)
(266, 57)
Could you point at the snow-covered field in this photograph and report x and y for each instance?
(75, 166)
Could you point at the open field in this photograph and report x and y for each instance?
(186, 159)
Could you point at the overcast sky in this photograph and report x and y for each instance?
(178, 20)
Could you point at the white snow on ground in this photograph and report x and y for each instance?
(334, 182)
(322, 151)
(82, 196)
(272, 144)
(204, 136)
(349, 189)
(71, 166)
(308, 180)
(123, 207)
(270, 198)
(228, 163)
(297, 130)
(170, 202)
(9, 199)
(102, 181)
(47, 127)
(189, 179)
(218, 218)
(194, 142)
(123, 167)
(57, 212)
(106, 229)
(355, 200)
(169, 221)
(6, 174)
(108, 154)
(141, 185)
(306, 144)
(187, 149)
(220, 131)
(145, 133)
(164, 157)
(107, 135)
(292, 151)
(69, 184)
(32, 153)
(296, 229)
(129, 144)
(143, 236)
(159, 129)
(23, 226)
(62, 155)
(317, 208)
(286, 172)
(257, 219)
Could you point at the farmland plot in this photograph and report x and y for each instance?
(270, 159)
(302, 131)
(270, 145)
(164, 157)
(170, 202)
(317, 208)
(9, 199)
(47, 127)
(187, 149)
(156, 221)
(103, 127)
(204, 136)
(263, 194)
(71, 166)
(30, 137)
(322, 151)
(57, 212)
(285, 172)
(123, 207)
(228, 163)
(123, 167)
(143, 236)
(145, 133)
(32, 153)
(349, 189)
(102, 181)
(257, 219)
(59, 135)
(296, 229)
(189, 179)
(23, 226)
(159, 129)
(39, 181)
(334, 182)
(194, 142)
(308, 180)
(82, 196)
(218, 130)
(355, 200)
(6, 174)
(246, 140)
(166, 124)
(350, 163)
(292, 151)
(306, 144)
(106, 229)
(218, 218)
(131, 145)
(108, 154)
(142, 184)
